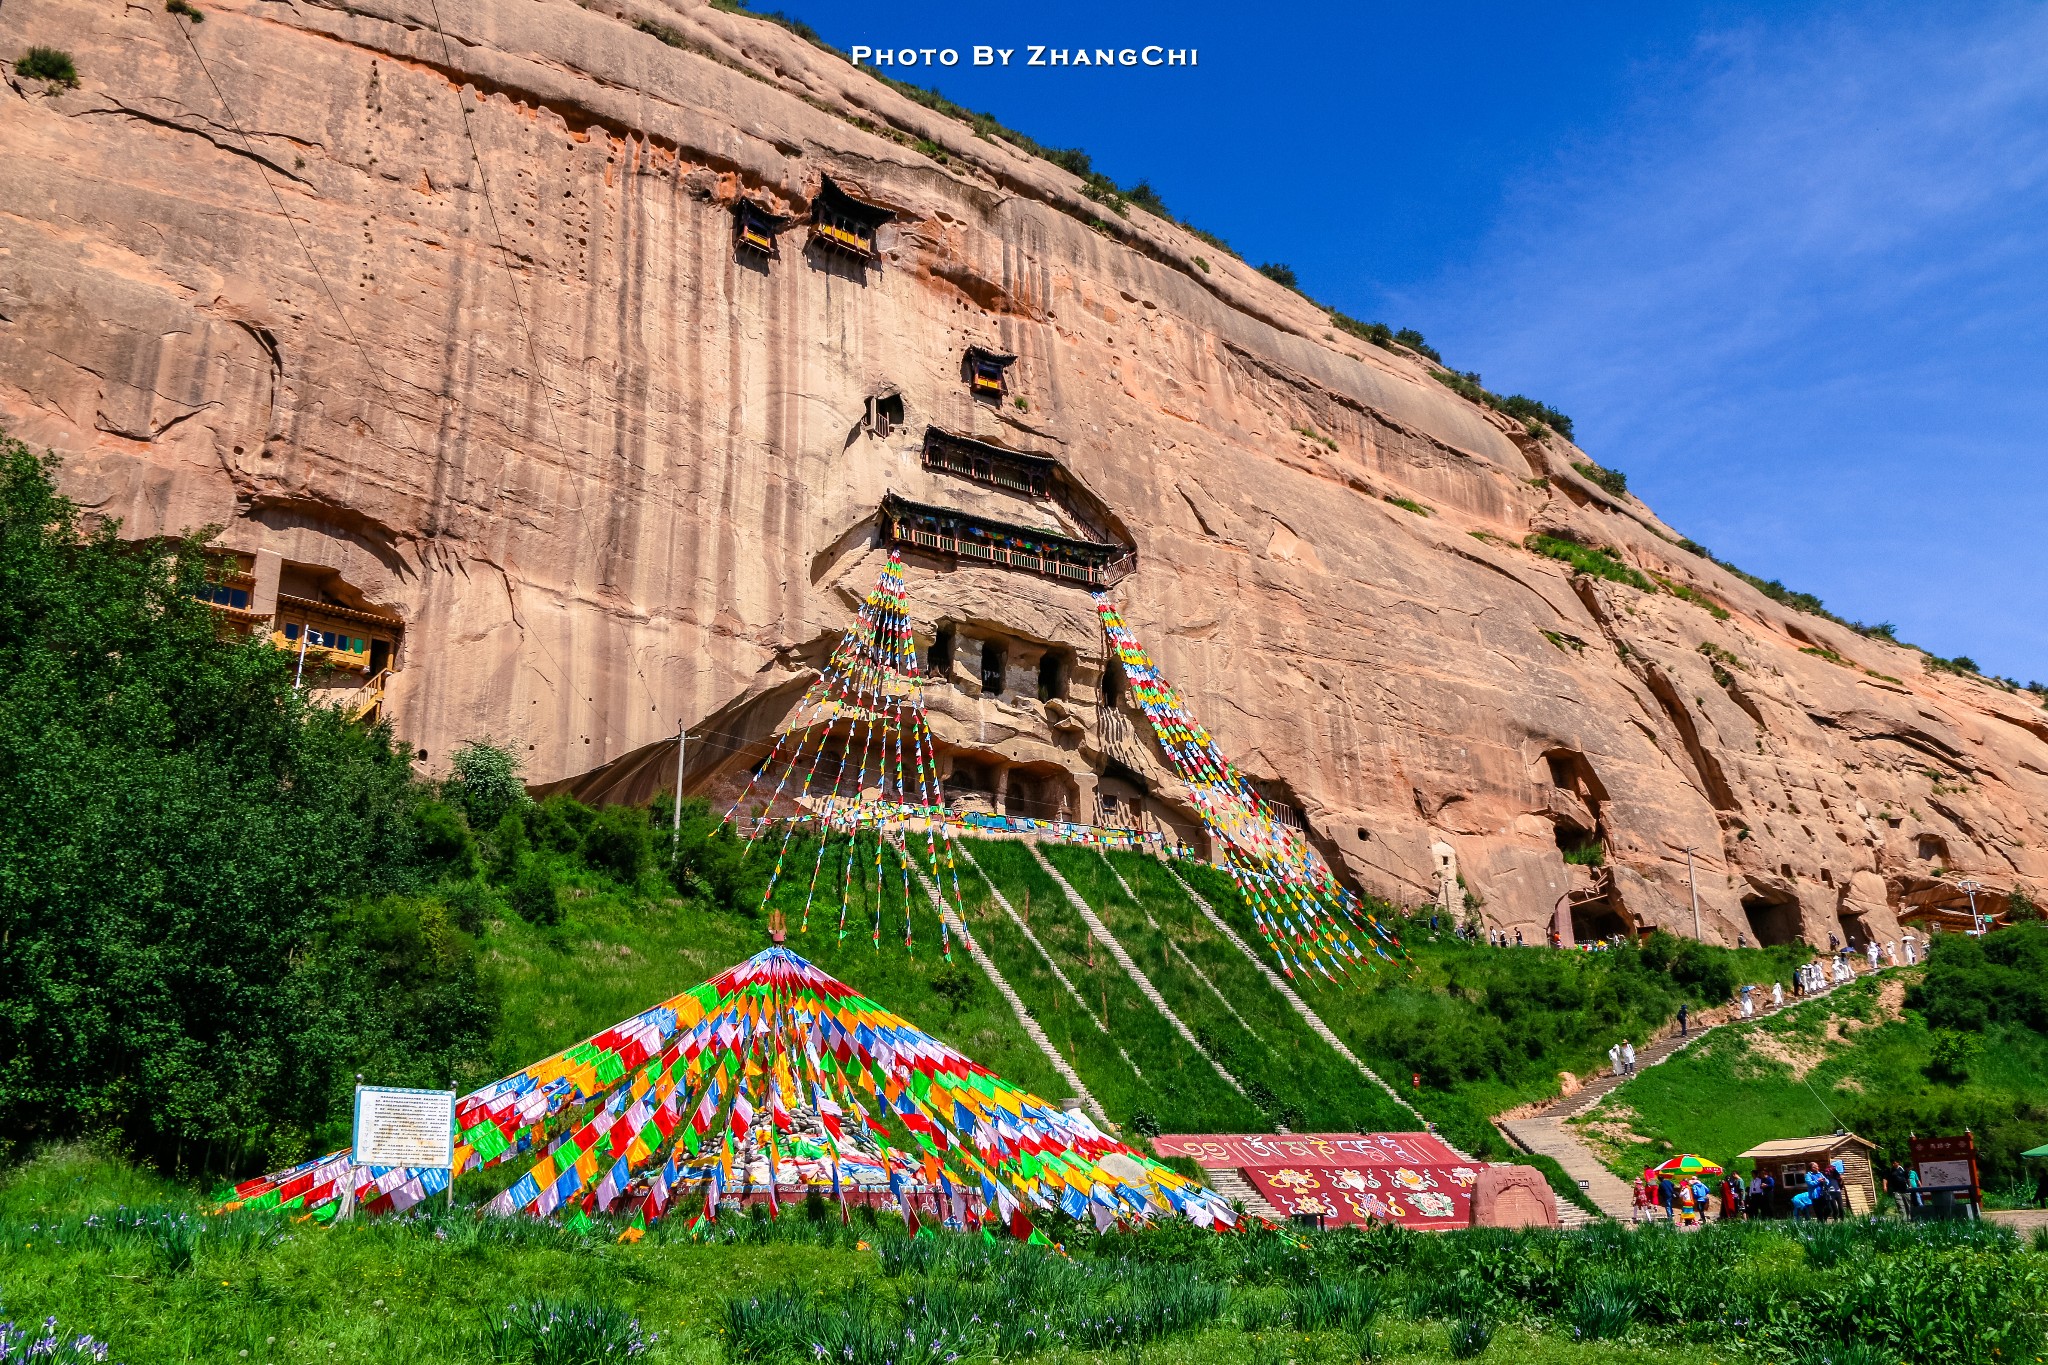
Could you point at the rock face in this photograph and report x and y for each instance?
(457, 319)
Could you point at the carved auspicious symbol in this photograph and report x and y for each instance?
(1295, 1180)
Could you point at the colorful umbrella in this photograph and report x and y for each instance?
(1688, 1164)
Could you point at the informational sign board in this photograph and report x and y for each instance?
(404, 1127)
(1947, 1164)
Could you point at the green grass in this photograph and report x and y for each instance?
(1406, 505)
(131, 1258)
(1142, 1063)
(1869, 1072)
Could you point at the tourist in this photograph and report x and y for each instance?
(1667, 1195)
(1755, 1199)
(1731, 1197)
(1748, 1003)
(1907, 939)
(1803, 1202)
(1614, 1060)
(1740, 940)
(2041, 1188)
(1870, 953)
(1777, 995)
(1838, 1190)
(1834, 943)
(1688, 1206)
(1681, 1019)
(1628, 1058)
(1518, 938)
(1644, 1195)
(1898, 1183)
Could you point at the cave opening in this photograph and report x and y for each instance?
(1771, 922)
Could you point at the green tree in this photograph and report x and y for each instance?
(485, 782)
(182, 832)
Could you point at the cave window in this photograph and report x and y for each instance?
(994, 662)
(938, 660)
(1932, 847)
(1055, 666)
(885, 414)
(1562, 772)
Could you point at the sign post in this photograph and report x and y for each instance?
(1948, 1168)
(414, 1128)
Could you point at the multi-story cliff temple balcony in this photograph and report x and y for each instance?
(1016, 470)
(964, 535)
(844, 223)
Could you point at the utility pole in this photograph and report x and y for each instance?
(305, 633)
(1971, 886)
(675, 836)
(1695, 888)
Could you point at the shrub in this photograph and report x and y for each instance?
(444, 840)
(1280, 274)
(533, 894)
(1591, 854)
(1971, 982)
(558, 823)
(710, 860)
(1407, 505)
(46, 64)
(485, 782)
(185, 9)
(620, 843)
(1951, 1054)
(1602, 562)
(183, 829)
(1613, 480)
(510, 847)
(954, 984)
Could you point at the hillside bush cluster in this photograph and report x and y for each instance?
(195, 931)
(1972, 983)
(1511, 1016)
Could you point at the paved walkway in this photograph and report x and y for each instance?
(2025, 1222)
(1548, 1133)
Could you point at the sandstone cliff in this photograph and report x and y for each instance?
(445, 304)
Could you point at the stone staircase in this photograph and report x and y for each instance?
(1231, 1184)
(1546, 1133)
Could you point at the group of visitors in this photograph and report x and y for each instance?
(1686, 1201)
(1621, 1058)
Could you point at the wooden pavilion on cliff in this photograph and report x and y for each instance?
(964, 535)
(987, 372)
(754, 227)
(843, 223)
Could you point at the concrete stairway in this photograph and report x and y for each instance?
(1301, 1007)
(1016, 1002)
(1129, 964)
(1231, 1184)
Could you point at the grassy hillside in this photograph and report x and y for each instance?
(1856, 1058)
(130, 1259)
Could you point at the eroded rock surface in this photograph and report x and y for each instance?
(460, 318)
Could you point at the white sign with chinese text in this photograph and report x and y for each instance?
(404, 1127)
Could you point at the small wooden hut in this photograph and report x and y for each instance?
(844, 223)
(1786, 1160)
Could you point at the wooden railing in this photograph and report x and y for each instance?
(1091, 574)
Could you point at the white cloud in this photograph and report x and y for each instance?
(1798, 297)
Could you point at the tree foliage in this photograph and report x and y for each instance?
(184, 834)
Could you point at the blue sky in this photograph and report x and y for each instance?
(1785, 265)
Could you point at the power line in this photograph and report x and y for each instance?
(250, 146)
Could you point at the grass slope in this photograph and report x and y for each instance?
(1853, 1058)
